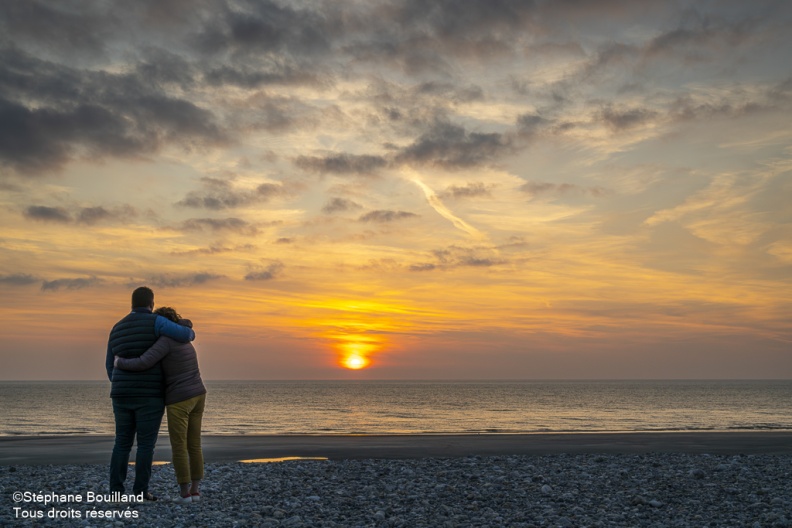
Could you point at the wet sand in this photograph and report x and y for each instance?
(41, 450)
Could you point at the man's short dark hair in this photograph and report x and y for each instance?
(142, 297)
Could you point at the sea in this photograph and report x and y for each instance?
(421, 407)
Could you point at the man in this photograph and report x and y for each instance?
(138, 397)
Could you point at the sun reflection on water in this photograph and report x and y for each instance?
(279, 459)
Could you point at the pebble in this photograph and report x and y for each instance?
(608, 491)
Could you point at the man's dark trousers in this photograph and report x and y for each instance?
(141, 416)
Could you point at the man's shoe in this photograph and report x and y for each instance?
(183, 500)
(196, 497)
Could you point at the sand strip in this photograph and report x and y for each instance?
(38, 450)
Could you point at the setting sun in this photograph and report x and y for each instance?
(355, 362)
(355, 354)
(354, 351)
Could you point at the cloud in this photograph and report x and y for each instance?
(70, 284)
(530, 124)
(421, 38)
(560, 189)
(263, 28)
(395, 47)
(456, 257)
(220, 194)
(9, 186)
(440, 144)
(339, 205)
(83, 215)
(251, 45)
(276, 71)
(727, 212)
(688, 108)
(448, 92)
(443, 144)
(168, 70)
(619, 119)
(451, 146)
(610, 56)
(213, 250)
(408, 108)
(514, 241)
(470, 18)
(445, 212)
(177, 281)
(782, 91)
(18, 279)
(94, 215)
(342, 164)
(384, 216)
(51, 113)
(219, 224)
(91, 215)
(80, 30)
(48, 214)
(471, 190)
(276, 116)
(701, 35)
(418, 37)
(162, 92)
(272, 113)
(264, 274)
(698, 34)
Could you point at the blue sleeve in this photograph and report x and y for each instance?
(166, 327)
(109, 359)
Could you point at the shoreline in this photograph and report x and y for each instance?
(89, 449)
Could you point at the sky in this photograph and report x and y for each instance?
(399, 189)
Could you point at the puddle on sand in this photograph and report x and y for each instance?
(279, 459)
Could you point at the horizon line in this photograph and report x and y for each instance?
(513, 380)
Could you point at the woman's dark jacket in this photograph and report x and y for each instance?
(179, 363)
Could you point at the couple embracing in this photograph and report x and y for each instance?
(152, 366)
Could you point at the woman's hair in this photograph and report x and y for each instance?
(168, 313)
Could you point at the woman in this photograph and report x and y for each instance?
(185, 397)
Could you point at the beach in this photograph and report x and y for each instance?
(572, 480)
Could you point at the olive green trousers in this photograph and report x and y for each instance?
(184, 429)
